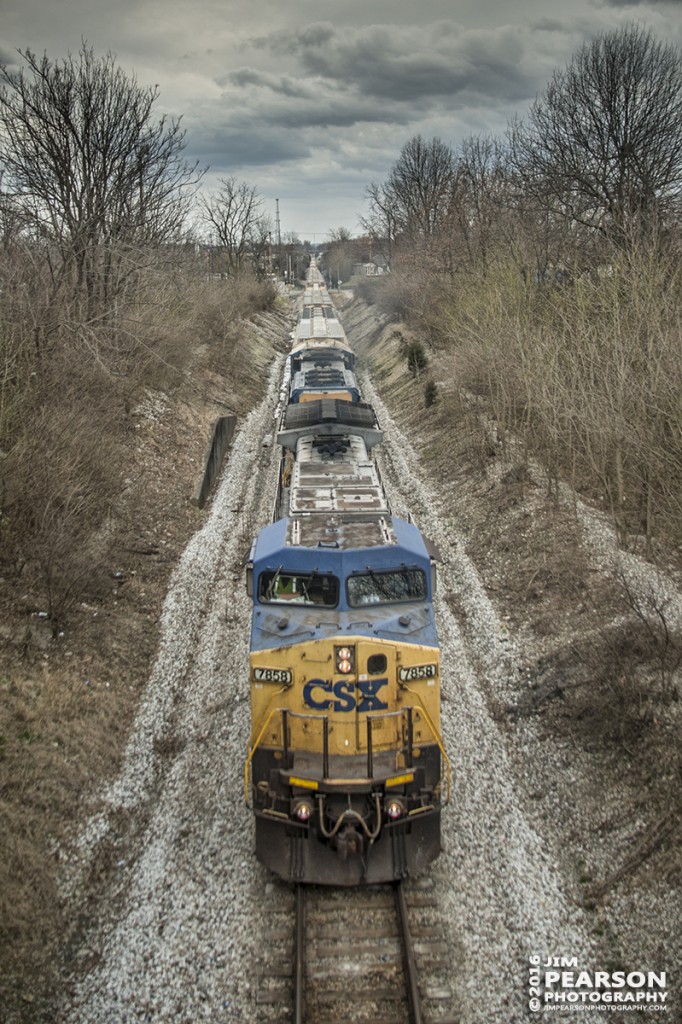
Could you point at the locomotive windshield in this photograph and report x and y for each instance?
(300, 588)
(386, 587)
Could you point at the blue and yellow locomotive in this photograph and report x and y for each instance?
(346, 766)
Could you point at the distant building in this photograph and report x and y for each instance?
(371, 269)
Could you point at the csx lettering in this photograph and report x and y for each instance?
(367, 698)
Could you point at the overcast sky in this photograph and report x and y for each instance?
(311, 101)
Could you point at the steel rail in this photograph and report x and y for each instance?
(413, 996)
(410, 972)
(299, 957)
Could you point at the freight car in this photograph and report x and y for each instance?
(346, 768)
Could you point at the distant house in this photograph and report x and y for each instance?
(370, 269)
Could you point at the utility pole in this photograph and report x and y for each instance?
(278, 235)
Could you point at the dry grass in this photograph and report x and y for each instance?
(588, 376)
(59, 728)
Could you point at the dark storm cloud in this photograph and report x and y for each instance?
(331, 115)
(409, 63)
(288, 134)
(268, 106)
(290, 42)
(284, 85)
(324, 96)
(244, 145)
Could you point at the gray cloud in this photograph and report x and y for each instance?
(327, 109)
(292, 41)
(283, 85)
(242, 144)
(410, 63)
(312, 110)
(8, 58)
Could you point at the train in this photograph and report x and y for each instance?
(346, 771)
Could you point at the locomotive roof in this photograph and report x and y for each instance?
(346, 414)
(319, 326)
(339, 543)
(334, 474)
(302, 345)
(316, 294)
(330, 376)
(313, 309)
(327, 417)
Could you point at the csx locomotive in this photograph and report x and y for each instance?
(346, 767)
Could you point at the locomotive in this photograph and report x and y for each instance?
(346, 768)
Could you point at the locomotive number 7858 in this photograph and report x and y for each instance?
(272, 675)
(417, 672)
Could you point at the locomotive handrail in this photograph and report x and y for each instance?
(318, 718)
(253, 747)
(351, 815)
(437, 737)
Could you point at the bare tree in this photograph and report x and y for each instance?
(481, 194)
(381, 224)
(421, 185)
(415, 201)
(603, 146)
(341, 255)
(93, 174)
(494, 219)
(234, 217)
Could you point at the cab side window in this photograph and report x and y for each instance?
(390, 587)
(298, 588)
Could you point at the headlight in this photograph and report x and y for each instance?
(345, 660)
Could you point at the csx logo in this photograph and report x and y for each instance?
(367, 698)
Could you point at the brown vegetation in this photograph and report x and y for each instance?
(589, 377)
(97, 482)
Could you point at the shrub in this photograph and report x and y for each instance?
(416, 358)
(430, 393)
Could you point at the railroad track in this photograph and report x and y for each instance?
(339, 956)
